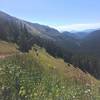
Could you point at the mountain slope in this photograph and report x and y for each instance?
(38, 75)
(14, 27)
(90, 44)
(25, 34)
(71, 40)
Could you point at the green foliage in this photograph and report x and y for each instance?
(31, 76)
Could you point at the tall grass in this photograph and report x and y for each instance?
(25, 77)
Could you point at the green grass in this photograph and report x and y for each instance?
(38, 76)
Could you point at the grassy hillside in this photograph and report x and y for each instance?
(7, 48)
(38, 76)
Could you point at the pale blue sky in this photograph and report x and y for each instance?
(54, 12)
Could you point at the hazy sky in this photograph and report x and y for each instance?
(62, 14)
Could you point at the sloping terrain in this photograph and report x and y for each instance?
(90, 44)
(37, 75)
(7, 48)
(25, 34)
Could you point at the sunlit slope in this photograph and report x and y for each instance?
(7, 48)
(37, 75)
(64, 69)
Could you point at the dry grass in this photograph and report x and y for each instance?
(7, 48)
(64, 69)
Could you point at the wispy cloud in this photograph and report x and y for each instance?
(77, 27)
